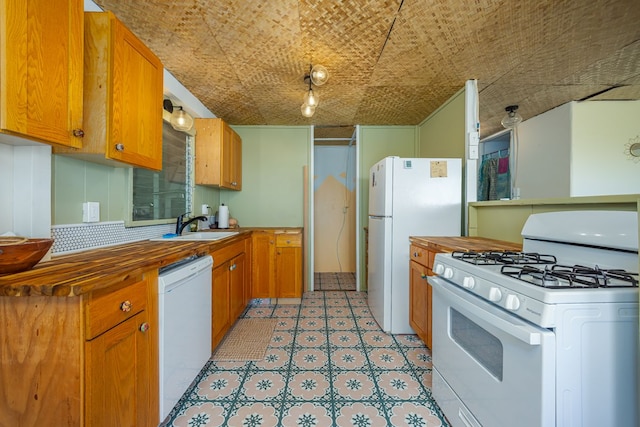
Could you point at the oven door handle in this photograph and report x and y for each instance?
(483, 312)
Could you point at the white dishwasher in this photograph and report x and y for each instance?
(184, 311)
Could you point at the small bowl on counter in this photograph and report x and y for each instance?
(19, 254)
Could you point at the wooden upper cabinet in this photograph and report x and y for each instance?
(41, 70)
(122, 96)
(218, 154)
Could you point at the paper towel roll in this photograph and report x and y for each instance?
(223, 216)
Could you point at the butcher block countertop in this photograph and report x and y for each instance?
(83, 272)
(463, 244)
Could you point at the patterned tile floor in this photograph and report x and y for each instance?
(334, 281)
(328, 364)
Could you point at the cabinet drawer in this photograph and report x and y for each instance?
(105, 311)
(289, 240)
(419, 255)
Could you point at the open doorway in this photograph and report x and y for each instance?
(334, 202)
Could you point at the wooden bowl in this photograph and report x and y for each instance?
(20, 254)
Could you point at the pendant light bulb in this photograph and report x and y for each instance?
(311, 98)
(319, 75)
(512, 118)
(181, 120)
(307, 110)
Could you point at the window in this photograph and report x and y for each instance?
(164, 195)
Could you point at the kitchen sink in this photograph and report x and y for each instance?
(197, 237)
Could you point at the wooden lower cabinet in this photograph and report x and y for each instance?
(262, 264)
(89, 360)
(277, 264)
(118, 373)
(288, 279)
(219, 303)
(229, 292)
(237, 289)
(420, 292)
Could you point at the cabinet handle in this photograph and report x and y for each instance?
(119, 146)
(424, 276)
(126, 306)
(144, 327)
(79, 133)
(416, 254)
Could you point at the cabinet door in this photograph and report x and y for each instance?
(41, 77)
(418, 313)
(117, 375)
(219, 160)
(227, 167)
(136, 116)
(236, 287)
(262, 265)
(219, 303)
(231, 159)
(289, 272)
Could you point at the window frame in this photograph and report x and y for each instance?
(190, 183)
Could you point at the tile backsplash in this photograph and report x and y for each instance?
(70, 238)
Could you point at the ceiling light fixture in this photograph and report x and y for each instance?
(512, 118)
(180, 119)
(318, 75)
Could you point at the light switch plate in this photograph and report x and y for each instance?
(91, 212)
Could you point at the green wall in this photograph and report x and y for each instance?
(273, 158)
(442, 133)
(77, 181)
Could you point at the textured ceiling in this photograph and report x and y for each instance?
(391, 62)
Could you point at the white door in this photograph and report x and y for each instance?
(379, 270)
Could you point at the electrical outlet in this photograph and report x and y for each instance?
(91, 212)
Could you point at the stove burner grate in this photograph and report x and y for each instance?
(503, 257)
(566, 277)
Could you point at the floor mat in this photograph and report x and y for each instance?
(247, 340)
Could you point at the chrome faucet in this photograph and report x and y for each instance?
(180, 225)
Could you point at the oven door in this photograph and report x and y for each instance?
(497, 366)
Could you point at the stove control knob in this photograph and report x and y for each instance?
(448, 273)
(512, 302)
(495, 294)
(438, 269)
(468, 282)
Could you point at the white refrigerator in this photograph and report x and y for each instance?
(407, 197)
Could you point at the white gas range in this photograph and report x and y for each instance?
(544, 337)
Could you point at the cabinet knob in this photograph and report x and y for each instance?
(79, 133)
(288, 242)
(415, 254)
(126, 306)
(232, 267)
(234, 183)
(424, 276)
(144, 327)
(119, 146)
